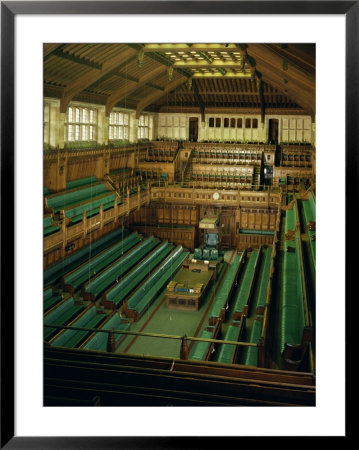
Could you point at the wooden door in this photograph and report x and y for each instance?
(273, 126)
(193, 129)
(228, 229)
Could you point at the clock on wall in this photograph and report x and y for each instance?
(215, 196)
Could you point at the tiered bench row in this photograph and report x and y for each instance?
(99, 341)
(228, 352)
(310, 218)
(244, 293)
(54, 273)
(225, 289)
(114, 297)
(49, 226)
(90, 318)
(61, 314)
(75, 279)
(50, 298)
(69, 198)
(251, 353)
(142, 298)
(113, 273)
(292, 307)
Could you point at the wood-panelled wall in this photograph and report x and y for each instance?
(59, 253)
(61, 166)
(169, 213)
(179, 236)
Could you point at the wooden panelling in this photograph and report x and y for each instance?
(253, 240)
(177, 235)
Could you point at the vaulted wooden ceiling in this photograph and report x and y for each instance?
(183, 77)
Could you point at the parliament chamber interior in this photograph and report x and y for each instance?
(179, 224)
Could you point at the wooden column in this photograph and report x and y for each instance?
(64, 238)
(128, 201)
(261, 353)
(184, 348)
(84, 223)
(111, 344)
(101, 215)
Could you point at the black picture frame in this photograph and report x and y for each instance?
(9, 9)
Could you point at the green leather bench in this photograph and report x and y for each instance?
(50, 299)
(73, 338)
(150, 288)
(223, 293)
(120, 291)
(80, 182)
(61, 315)
(263, 282)
(243, 294)
(90, 204)
(227, 351)
(55, 272)
(310, 216)
(200, 349)
(292, 307)
(70, 198)
(99, 340)
(75, 279)
(49, 228)
(147, 299)
(251, 353)
(93, 211)
(116, 270)
(290, 218)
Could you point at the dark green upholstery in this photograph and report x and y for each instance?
(290, 218)
(49, 228)
(222, 295)
(200, 348)
(73, 338)
(153, 285)
(55, 272)
(47, 221)
(292, 307)
(118, 171)
(80, 182)
(102, 260)
(99, 340)
(242, 296)
(107, 201)
(50, 299)
(251, 353)
(70, 198)
(227, 351)
(261, 232)
(206, 254)
(116, 270)
(81, 145)
(120, 291)
(197, 253)
(61, 315)
(310, 216)
(263, 282)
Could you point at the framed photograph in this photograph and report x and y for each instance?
(167, 137)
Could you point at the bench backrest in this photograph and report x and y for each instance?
(57, 312)
(60, 201)
(80, 322)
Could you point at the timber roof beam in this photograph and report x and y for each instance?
(93, 75)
